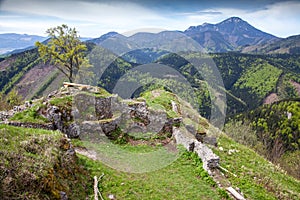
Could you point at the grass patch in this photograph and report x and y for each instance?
(62, 102)
(179, 180)
(256, 177)
(158, 99)
(30, 115)
(100, 93)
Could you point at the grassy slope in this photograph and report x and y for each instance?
(176, 181)
(38, 151)
(256, 177)
(34, 165)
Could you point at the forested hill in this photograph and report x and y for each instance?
(273, 130)
(289, 45)
(249, 80)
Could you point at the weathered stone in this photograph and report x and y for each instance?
(174, 107)
(157, 119)
(191, 128)
(74, 131)
(4, 115)
(140, 112)
(28, 104)
(210, 140)
(63, 195)
(108, 126)
(84, 107)
(234, 193)
(184, 138)
(92, 131)
(103, 108)
(54, 116)
(209, 159)
(51, 94)
(169, 124)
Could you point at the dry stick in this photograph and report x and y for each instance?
(226, 170)
(96, 187)
(96, 190)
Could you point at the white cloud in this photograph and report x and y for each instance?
(95, 18)
(281, 19)
(90, 15)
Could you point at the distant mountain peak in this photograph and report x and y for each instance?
(228, 35)
(206, 24)
(103, 37)
(234, 19)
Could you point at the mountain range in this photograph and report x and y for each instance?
(232, 34)
(229, 35)
(12, 41)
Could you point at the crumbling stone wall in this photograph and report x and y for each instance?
(209, 159)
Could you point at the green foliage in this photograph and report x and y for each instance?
(285, 88)
(144, 56)
(3, 103)
(203, 173)
(259, 80)
(242, 132)
(248, 79)
(101, 93)
(64, 50)
(118, 136)
(277, 124)
(13, 98)
(277, 131)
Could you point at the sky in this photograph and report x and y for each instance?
(92, 18)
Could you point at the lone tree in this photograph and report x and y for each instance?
(64, 50)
